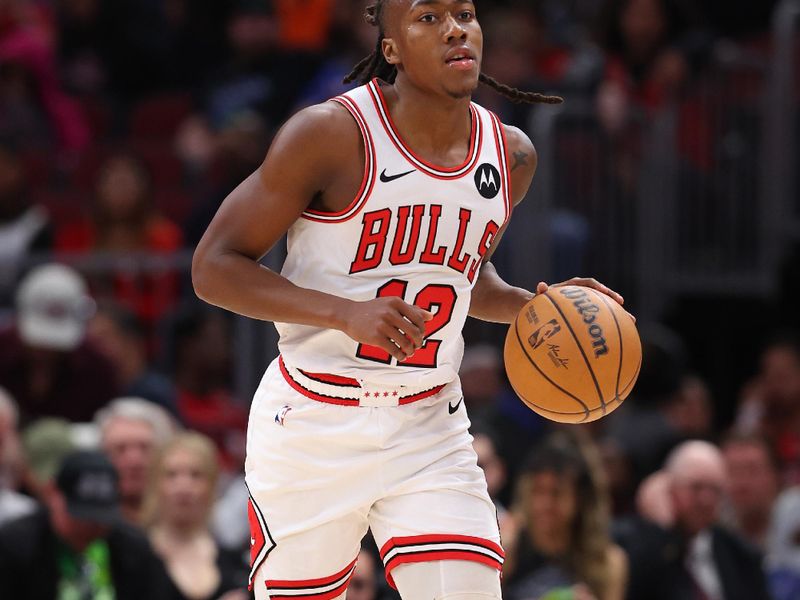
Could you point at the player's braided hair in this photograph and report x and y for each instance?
(375, 65)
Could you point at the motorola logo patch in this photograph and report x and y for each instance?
(487, 180)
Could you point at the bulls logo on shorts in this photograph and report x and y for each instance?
(487, 180)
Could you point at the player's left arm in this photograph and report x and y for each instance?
(493, 299)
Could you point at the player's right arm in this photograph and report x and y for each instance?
(312, 156)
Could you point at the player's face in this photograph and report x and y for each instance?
(437, 44)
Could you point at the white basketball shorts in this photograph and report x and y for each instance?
(329, 457)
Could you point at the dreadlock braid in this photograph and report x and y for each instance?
(375, 65)
(516, 95)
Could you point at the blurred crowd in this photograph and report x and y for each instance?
(124, 124)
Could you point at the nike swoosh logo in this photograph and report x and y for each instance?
(388, 178)
(452, 409)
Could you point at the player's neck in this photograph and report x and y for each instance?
(432, 124)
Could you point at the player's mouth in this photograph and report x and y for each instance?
(460, 59)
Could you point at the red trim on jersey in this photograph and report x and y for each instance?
(502, 154)
(298, 387)
(475, 143)
(420, 396)
(368, 180)
(413, 540)
(445, 552)
(275, 587)
(332, 379)
(259, 536)
(311, 394)
(309, 583)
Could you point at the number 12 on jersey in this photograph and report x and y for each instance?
(435, 298)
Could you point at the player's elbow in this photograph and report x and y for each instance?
(202, 275)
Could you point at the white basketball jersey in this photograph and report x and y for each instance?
(414, 230)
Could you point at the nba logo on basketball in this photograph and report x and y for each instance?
(544, 333)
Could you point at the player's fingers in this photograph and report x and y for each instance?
(416, 315)
(386, 343)
(399, 339)
(542, 287)
(411, 330)
(603, 289)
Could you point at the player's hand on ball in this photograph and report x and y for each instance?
(387, 323)
(589, 282)
(585, 282)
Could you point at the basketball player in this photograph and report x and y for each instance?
(394, 196)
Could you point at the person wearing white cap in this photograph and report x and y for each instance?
(45, 361)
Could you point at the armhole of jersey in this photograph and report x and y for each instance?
(502, 154)
(367, 182)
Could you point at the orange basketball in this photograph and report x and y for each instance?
(573, 354)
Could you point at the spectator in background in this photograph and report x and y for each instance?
(45, 442)
(752, 486)
(643, 430)
(524, 50)
(783, 547)
(645, 67)
(481, 378)
(24, 227)
(120, 336)
(203, 379)
(176, 513)
(238, 148)
(484, 443)
(123, 220)
(695, 558)
(12, 503)
(690, 412)
(770, 404)
(33, 107)
(351, 38)
(45, 362)
(245, 83)
(562, 541)
(76, 548)
(364, 582)
(131, 432)
(84, 42)
(491, 402)
(619, 475)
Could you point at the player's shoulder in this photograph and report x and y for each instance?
(518, 141)
(522, 161)
(318, 126)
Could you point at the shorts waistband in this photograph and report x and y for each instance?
(345, 391)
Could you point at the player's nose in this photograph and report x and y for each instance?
(453, 30)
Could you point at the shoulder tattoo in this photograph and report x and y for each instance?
(520, 160)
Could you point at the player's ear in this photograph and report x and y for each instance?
(390, 52)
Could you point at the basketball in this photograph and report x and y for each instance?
(573, 354)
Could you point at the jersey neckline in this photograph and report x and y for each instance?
(475, 143)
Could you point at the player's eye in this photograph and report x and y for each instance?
(428, 18)
(467, 15)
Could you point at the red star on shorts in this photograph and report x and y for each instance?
(385, 394)
(366, 395)
(394, 393)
